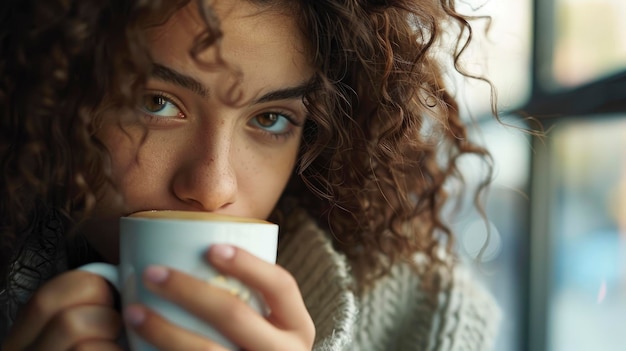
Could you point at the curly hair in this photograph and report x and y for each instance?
(382, 139)
(385, 135)
(58, 61)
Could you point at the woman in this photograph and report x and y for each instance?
(327, 117)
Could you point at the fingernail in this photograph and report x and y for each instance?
(156, 274)
(134, 315)
(222, 251)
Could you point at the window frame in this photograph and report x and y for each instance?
(604, 97)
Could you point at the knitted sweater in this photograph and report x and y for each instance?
(396, 314)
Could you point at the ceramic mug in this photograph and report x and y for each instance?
(179, 239)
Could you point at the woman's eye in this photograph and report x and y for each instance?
(160, 106)
(272, 122)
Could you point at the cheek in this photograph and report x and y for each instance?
(125, 147)
(122, 152)
(264, 181)
(121, 143)
(110, 201)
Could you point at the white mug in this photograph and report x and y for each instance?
(179, 239)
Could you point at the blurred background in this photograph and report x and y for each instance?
(555, 258)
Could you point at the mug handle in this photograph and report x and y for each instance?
(105, 270)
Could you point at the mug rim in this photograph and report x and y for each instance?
(194, 216)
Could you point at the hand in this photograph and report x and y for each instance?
(288, 327)
(73, 311)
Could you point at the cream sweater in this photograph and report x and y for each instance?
(395, 315)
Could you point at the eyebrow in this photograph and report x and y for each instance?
(169, 75)
(289, 93)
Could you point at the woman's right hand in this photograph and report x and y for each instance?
(74, 311)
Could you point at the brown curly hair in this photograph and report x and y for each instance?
(382, 139)
(385, 134)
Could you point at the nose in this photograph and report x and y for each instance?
(205, 178)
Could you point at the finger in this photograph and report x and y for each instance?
(67, 290)
(164, 335)
(278, 287)
(97, 345)
(227, 313)
(78, 324)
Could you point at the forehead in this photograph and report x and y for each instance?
(254, 38)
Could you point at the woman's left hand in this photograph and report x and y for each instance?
(288, 326)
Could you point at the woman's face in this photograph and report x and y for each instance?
(200, 152)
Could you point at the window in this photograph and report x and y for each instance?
(556, 258)
(586, 242)
(590, 41)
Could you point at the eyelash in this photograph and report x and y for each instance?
(168, 100)
(290, 119)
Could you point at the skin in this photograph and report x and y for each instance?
(201, 153)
